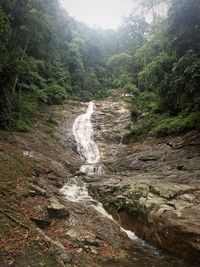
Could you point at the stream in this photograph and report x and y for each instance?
(75, 190)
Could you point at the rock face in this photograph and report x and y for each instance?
(165, 214)
(110, 121)
(152, 188)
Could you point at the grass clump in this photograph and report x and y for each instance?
(54, 94)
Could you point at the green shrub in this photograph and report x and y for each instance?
(146, 124)
(54, 94)
(132, 89)
(179, 124)
(42, 96)
(145, 102)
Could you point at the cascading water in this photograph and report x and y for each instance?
(76, 190)
(87, 148)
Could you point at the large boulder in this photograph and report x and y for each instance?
(57, 210)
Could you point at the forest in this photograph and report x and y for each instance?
(47, 57)
(99, 133)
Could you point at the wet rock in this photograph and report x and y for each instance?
(92, 179)
(57, 210)
(30, 193)
(158, 212)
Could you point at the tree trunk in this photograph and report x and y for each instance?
(17, 75)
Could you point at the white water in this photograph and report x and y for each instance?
(75, 190)
(87, 148)
(83, 133)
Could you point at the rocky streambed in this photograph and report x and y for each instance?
(151, 188)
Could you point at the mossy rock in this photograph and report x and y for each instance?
(122, 203)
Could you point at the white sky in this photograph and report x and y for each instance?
(99, 13)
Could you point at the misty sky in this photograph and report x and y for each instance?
(99, 13)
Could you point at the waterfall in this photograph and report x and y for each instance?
(76, 190)
(83, 133)
(87, 148)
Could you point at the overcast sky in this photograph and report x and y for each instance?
(99, 13)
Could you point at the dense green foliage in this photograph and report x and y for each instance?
(168, 72)
(46, 57)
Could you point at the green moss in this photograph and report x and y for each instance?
(138, 191)
(14, 163)
(122, 204)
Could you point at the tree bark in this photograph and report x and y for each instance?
(17, 75)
